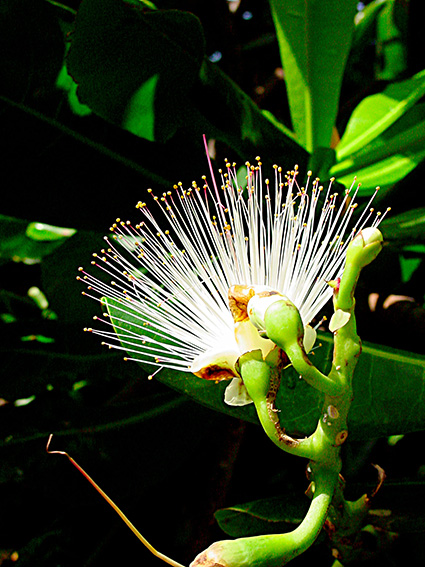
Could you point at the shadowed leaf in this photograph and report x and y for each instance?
(139, 79)
(269, 516)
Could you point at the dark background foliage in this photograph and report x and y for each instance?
(168, 462)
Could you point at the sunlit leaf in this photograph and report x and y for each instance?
(47, 233)
(23, 401)
(385, 173)
(29, 242)
(139, 116)
(390, 156)
(378, 112)
(37, 338)
(314, 41)
(405, 137)
(67, 84)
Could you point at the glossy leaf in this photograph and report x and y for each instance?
(389, 157)
(406, 136)
(365, 24)
(406, 228)
(269, 516)
(378, 112)
(398, 507)
(29, 242)
(154, 82)
(385, 173)
(314, 41)
(42, 232)
(389, 387)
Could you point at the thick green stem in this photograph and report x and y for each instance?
(258, 377)
(276, 550)
(285, 328)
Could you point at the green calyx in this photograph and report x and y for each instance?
(256, 375)
(364, 247)
(284, 325)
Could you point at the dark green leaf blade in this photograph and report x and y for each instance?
(29, 242)
(378, 112)
(225, 112)
(269, 516)
(406, 228)
(110, 66)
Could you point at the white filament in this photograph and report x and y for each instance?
(171, 286)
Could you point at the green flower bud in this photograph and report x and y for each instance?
(283, 324)
(256, 375)
(365, 246)
(258, 305)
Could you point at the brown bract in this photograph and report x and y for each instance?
(239, 296)
(215, 372)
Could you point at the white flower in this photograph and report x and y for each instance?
(173, 282)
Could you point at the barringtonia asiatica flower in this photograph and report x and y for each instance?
(186, 272)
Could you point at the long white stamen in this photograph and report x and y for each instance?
(167, 289)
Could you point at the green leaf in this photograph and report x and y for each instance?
(385, 173)
(378, 112)
(398, 507)
(119, 48)
(29, 242)
(406, 228)
(42, 232)
(405, 137)
(66, 83)
(314, 41)
(389, 41)
(155, 82)
(140, 113)
(410, 260)
(269, 516)
(226, 113)
(365, 24)
(389, 390)
(389, 157)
